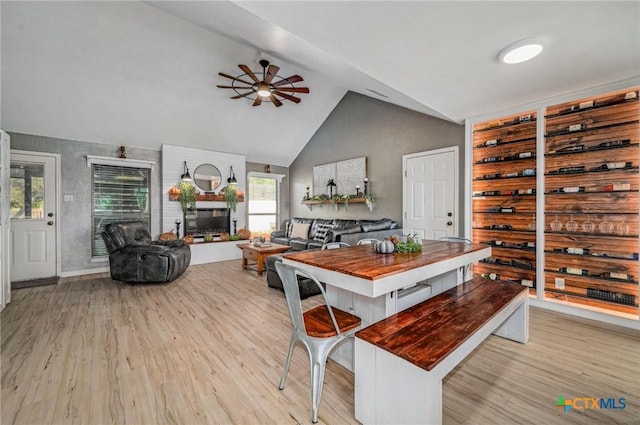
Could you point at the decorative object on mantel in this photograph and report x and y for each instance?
(331, 184)
(123, 153)
(337, 199)
(235, 226)
(187, 196)
(178, 227)
(230, 196)
(307, 196)
(264, 90)
(366, 183)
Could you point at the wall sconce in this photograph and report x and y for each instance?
(232, 177)
(186, 177)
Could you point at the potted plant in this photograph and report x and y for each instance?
(230, 196)
(187, 196)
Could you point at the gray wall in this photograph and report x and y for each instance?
(75, 217)
(363, 126)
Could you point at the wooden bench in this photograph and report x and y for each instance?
(400, 361)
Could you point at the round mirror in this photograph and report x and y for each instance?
(207, 177)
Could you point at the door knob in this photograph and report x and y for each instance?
(50, 215)
(449, 223)
(50, 223)
(449, 214)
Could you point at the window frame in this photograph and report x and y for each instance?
(278, 178)
(122, 163)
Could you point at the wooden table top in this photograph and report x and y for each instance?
(363, 261)
(427, 332)
(273, 247)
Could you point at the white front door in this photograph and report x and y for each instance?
(431, 193)
(33, 216)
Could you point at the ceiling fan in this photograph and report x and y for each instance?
(264, 90)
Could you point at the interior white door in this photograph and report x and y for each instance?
(33, 216)
(431, 193)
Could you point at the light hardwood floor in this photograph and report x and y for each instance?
(209, 348)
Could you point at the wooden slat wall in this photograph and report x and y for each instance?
(604, 221)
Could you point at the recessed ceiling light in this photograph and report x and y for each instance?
(521, 51)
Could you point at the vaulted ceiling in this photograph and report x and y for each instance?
(144, 73)
(439, 58)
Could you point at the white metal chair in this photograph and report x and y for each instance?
(465, 269)
(334, 245)
(319, 330)
(367, 241)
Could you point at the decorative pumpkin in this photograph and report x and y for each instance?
(224, 237)
(174, 191)
(385, 247)
(188, 239)
(239, 193)
(244, 234)
(167, 236)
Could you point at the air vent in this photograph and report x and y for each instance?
(615, 297)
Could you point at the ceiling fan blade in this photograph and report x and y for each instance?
(258, 101)
(235, 87)
(288, 96)
(294, 89)
(243, 95)
(275, 101)
(271, 72)
(222, 74)
(290, 80)
(250, 73)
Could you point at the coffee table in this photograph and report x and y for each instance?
(259, 254)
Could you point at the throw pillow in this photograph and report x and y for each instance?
(322, 232)
(300, 231)
(289, 229)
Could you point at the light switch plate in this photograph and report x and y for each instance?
(68, 198)
(560, 283)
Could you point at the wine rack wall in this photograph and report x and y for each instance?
(591, 201)
(504, 197)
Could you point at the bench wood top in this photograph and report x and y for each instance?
(363, 261)
(427, 332)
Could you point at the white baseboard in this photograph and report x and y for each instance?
(85, 271)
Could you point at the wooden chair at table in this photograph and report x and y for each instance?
(368, 241)
(319, 330)
(334, 245)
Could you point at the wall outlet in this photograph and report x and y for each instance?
(560, 283)
(68, 198)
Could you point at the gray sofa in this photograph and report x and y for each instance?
(322, 231)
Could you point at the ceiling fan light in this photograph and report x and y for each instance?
(521, 51)
(264, 93)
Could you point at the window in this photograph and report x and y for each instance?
(119, 193)
(263, 203)
(27, 190)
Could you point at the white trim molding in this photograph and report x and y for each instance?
(119, 162)
(278, 177)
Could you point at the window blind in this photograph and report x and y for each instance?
(118, 194)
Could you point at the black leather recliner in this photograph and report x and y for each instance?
(135, 258)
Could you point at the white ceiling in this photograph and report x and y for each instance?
(438, 58)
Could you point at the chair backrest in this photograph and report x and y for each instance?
(289, 276)
(334, 245)
(126, 233)
(367, 241)
(456, 239)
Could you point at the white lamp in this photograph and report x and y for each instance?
(521, 51)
